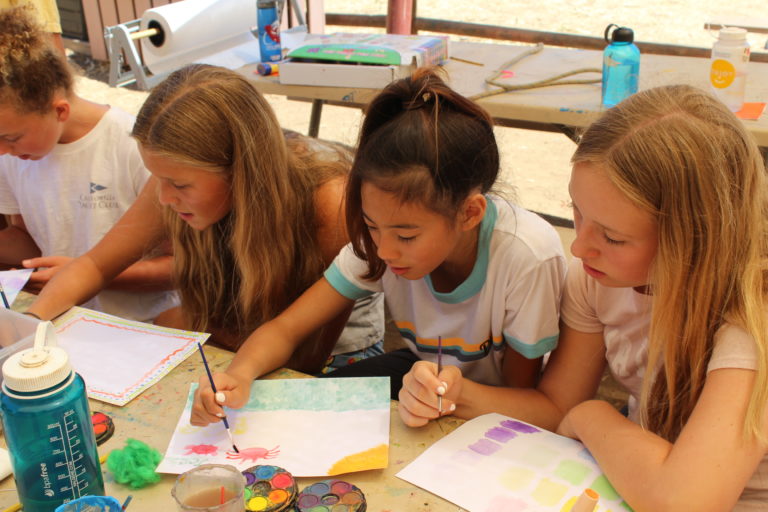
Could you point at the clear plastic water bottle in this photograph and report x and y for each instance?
(48, 426)
(621, 65)
(268, 24)
(728, 69)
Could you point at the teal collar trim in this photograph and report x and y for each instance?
(476, 280)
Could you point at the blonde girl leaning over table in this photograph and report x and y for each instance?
(668, 288)
(452, 259)
(254, 216)
(68, 171)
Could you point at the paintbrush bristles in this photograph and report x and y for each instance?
(232, 440)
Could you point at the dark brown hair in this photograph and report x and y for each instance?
(31, 70)
(424, 143)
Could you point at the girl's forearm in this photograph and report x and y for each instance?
(526, 404)
(145, 276)
(632, 458)
(77, 282)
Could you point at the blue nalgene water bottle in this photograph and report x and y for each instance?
(621, 65)
(268, 30)
(48, 426)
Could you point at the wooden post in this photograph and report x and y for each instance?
(400, 16)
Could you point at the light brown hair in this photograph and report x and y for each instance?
(252, 264)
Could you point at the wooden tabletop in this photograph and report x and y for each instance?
(152, 417)
(541, 108)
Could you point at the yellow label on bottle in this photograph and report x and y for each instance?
(722, 73)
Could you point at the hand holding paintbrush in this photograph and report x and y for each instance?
(213, 387)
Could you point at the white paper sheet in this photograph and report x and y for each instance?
(119, 358)
(311, 427)
(494, 463)
(12, 282)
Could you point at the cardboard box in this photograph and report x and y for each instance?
(360, 60)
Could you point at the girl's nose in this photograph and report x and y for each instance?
(582, 247)
(386, 250)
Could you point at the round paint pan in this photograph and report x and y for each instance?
(331, 496)
(269, 489)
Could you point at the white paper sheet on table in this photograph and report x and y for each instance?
(13, 281)
(495, 463)
(119, 358)
(311, 427)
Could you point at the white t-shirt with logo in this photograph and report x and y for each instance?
(510, 299)
(70, 198)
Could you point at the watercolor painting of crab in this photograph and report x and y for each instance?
(254, 454)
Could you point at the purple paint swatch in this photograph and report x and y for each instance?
(485, 447)
(519, 427)
(500, 434)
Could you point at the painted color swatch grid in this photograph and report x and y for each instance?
(494, 463)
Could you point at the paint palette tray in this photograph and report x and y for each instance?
(331, 496)
(269, 489)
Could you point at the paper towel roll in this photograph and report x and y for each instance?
(209, 31)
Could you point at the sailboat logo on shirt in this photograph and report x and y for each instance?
(95, 187)
(98, 198)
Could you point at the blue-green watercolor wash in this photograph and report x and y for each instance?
(342, 394)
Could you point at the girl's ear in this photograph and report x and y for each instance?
(473, 211)
(62, 108)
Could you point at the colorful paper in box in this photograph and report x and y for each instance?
(382, 49)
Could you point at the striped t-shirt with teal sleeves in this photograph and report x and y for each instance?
(511, 298)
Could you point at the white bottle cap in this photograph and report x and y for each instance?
(40, 367)
(733, 34)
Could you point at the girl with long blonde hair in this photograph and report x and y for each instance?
(253, 213)
(667, 288)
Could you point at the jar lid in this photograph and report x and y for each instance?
(40, 367)
(733, 34)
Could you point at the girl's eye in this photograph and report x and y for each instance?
(406, 239)
(179, 187)
(612, 241)
(370, 228)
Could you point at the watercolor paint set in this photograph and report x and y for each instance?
(273, 489)
(269, 489)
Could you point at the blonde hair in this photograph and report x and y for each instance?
(252, 264)
(31, 70)
(682, 156)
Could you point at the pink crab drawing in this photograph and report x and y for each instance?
(254, 454)
(201, 449)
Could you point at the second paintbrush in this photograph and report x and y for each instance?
(213, 387)
(439, 369)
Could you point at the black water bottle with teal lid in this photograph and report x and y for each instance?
(48, 427)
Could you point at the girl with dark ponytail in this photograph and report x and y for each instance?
(455, 262)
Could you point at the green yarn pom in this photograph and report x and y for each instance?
(135, 464)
